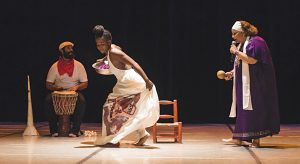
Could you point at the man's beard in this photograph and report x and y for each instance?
(69, 55)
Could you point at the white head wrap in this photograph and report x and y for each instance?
(237, 26)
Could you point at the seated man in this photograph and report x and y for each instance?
(70, 75)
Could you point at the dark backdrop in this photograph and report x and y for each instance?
(179, 44)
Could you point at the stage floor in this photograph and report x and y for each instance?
(202, 143)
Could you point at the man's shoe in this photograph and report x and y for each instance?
(72, 135)
(54, 135)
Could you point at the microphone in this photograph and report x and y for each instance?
(231, 55)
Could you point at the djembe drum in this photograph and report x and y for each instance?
(64, 103)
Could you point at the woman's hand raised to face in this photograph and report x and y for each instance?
(233, 49)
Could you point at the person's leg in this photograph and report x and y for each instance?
(51, 115)
(78, 115)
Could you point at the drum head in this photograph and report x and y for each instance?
(64, 92)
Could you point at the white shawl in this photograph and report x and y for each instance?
(247, 105)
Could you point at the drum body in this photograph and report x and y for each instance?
(64, 103)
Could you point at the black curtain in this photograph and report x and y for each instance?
(180, 45)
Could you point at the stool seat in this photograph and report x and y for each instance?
(168, 124)
(166, 116)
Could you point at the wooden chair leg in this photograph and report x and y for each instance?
(175, 134)
(154, 133)
(180, 132)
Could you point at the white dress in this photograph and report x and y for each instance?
(131, 107)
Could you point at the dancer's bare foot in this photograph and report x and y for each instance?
(142, 140)
(233, 141)
(255, 143)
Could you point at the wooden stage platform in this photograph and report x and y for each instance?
(202, 143)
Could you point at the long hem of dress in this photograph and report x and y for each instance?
(142, 119)
(102, 140)
(253, 135)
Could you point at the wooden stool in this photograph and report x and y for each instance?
(174, 124)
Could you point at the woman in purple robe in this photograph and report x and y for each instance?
(255, 100)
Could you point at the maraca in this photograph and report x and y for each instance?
(221, 74)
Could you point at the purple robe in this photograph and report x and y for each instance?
(264, 119)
